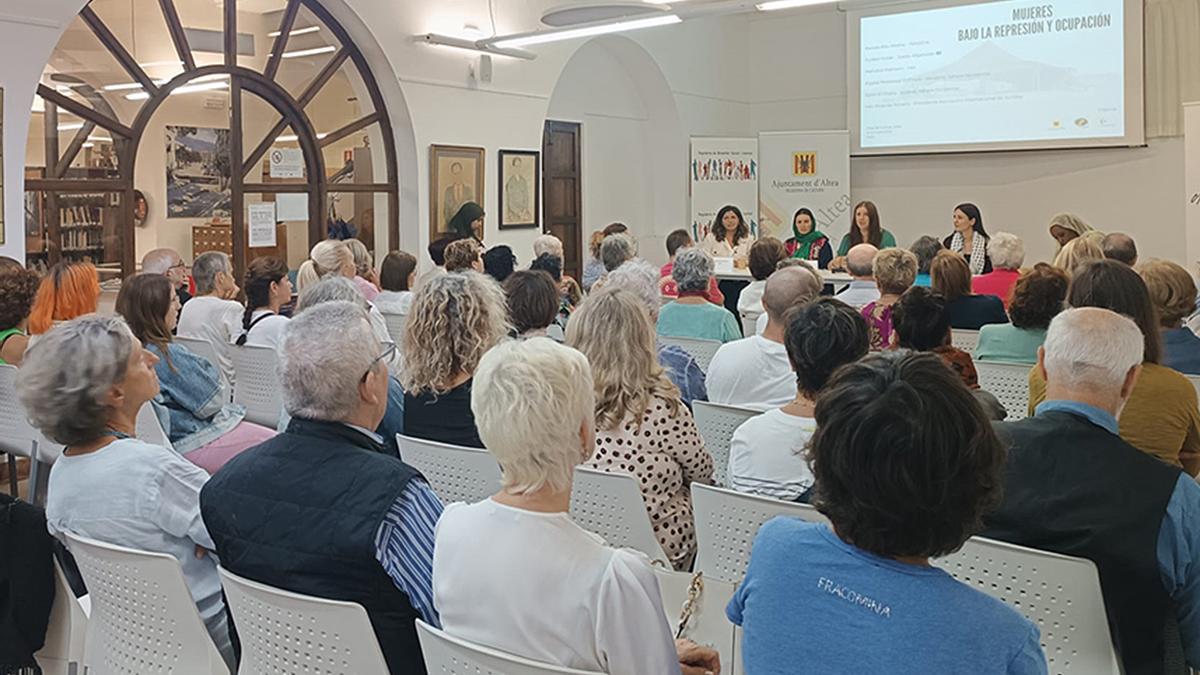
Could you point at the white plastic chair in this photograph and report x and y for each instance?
(726, 524)
(456, 473)
(207, 351)
(708, 624)
(395, 326)
(716, 424)
(62, 652)
(149, 429)
(143, 617)
(448, 655)
(701, 350)
(1059, 593)
(287, 633)
(1009, 383)
(19, 437)
(966, 340)
(611, 505)
(256, 383)
(750, 323)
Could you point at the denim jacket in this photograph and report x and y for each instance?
(190, 390)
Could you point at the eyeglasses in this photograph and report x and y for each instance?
(178, 266)
(388, 350)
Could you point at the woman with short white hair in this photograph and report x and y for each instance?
(691, 315)
(567, 598)
(329, 258)
(547, 243)
(1007, 253)
(82, 385)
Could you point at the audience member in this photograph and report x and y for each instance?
(860, 263)
(82, 384)
(617, 250)
(364, 277)
(754, 372)
(970, 240)
(569, 287)
(18, 288)
(594, 269)
(1037, 297)
(639, 277)
(168, 262)
(1076, 252)
(1161, 416)
(28, 579)
(691, 315)
(598, 608)
(320, 509)
(676, 241)
(1074, 487)
(570, 295)
(329, 258)
(268, 289)
(866, 229)
(807, 242)
(765, 254)
(464, 255)
(967, 311)
(397, 277)
(1120, 247)
(1173, 292)
(642, 427)
(454, 320)
(1067, 226)
(729, 235)
(895, 271)
(69, 290)
(499, 262)
(925, 248)
(467, 223)
(437, 253)
(905, 465)
(922, 324)
(1008, 254)
(766, 453)
(213, 315)
(533, 303)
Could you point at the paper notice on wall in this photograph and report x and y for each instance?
(723, 171)
(262, 224)
(289, 207)
(287, 163)
(805, 169)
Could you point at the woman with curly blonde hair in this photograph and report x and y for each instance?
(1076, 252)
(642, 426)
(70, 290)
(454, 320)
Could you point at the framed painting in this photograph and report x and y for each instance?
(520, 189)
(455, 178)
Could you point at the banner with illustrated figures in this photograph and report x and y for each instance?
(723, 171)
(808, 169)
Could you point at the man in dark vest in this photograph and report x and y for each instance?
(1073, 486)
(319, 509)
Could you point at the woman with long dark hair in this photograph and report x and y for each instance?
(730, 235)
(866, 229)
(970, 239)
(807, 242)
(268, 288)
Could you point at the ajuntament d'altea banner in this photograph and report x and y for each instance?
(804, 169)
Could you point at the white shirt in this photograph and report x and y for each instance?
(753, 372)
(539, 586)
(750, 301)
(760, 324)
(859, 294)
(269, 331)
(394, 302)
(219, 321)
(766, 455)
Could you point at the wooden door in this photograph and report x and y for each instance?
(562, 177)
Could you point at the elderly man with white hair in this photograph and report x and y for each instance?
(1007, 253)
(320, 509)
(515, 572)
(754, 372)
(1073, 486)
(860, 263)
(168, 262)
(213, 315)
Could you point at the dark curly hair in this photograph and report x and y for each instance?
(921, 320)
(905, 460)
(765, 254)
(1038, 296)
(18, 287)
(821, 337)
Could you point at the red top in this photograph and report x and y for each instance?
(666, 286)
(998, 283)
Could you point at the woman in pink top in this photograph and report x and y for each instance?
(1007, 254)
(895, 272)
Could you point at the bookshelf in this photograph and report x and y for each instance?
(72, 226)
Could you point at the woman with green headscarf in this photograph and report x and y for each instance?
(468, 222)
(807, 242)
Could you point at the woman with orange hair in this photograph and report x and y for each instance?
(70, 290)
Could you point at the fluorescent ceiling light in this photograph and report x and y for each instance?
(100, 139)
(155, 64)
(542, 37)
(477, 46)
(130, 85)
(309, 52)
(186, 89)
(293, 139)
(71, 126)
(88, 145)
(788, 4)
(298, 31)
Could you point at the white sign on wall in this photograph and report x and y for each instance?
(261, 223)
(287, 163)
(1191, 181)
(723, 171)
(805, 169)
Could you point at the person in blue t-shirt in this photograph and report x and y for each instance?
(906, 464)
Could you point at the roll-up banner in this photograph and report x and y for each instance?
(804, 169)
(723, 171)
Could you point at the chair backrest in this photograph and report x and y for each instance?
(447, 655)
(19, 436)
(62, 652)
(456, 473)
(611, 505)
(716, 424)
(726, 524)
(207, 351)
(288, 633)
(1195, 380)
(256, 383)
(1059, 593)
(143, 617)
(966, 340)
(395, 327)
(1009, 383)
(708, 624)
(149, 429)
(701, 350)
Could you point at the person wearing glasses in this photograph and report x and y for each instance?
(320, 509)
(168, 262)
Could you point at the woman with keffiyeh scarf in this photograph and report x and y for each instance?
(970, 239)
(807, 242)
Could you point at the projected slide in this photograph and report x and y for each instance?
(993, 73)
